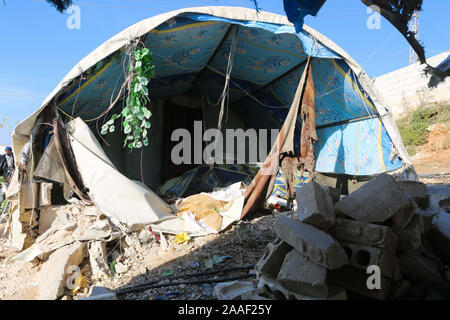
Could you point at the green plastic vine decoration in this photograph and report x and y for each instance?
(135, 115)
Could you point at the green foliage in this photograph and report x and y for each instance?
(135, 115)
(413, 128)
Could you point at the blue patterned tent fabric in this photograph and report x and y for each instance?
(190, 52)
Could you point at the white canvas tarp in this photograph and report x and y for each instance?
(108, 188)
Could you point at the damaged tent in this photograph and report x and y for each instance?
(223, 67)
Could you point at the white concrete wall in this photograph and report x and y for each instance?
(406, 89)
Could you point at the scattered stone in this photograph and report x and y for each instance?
(355, 280)
(121, 268)
(129, 252)
(315, 206)
(376, 201)
(54, 273)
(145, 236)
(317, 245)
(97, 259)
(364, 233)
(46, 217)
(132, 241)
(300, 275)
(233, 290)
(362, 256)
(273, 258)
(418, 268)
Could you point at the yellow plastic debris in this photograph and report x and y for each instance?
(181, 237)
(80, 283)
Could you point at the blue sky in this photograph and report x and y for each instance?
(37, 49)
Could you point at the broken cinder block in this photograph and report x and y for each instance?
(404, 215)
(355, 280)
(56, 270)
(309, 241)
(418, 190)
(273, 258)
(272, 289)
(362, 256)
(410, 238)
(315, 206)
(364, 233)
(334, 193)
(300, 275)
(233, 290)
(376, 201)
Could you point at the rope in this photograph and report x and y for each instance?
(226, 88)
(106, 110)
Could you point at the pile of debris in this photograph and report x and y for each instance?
(387, 240)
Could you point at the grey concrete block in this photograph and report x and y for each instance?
(334, 193)
(439, 233)
(418, 190)
(376, 201)
(315, 206)
(273, 290)
(273, 258)
(404, 215)
(233, 290)
(317, 245)
(364, 233)
(418, 268)
(300, 275)
(438, 195)
(361, 256)
(410, 238)
(56, 270)
(355, 280)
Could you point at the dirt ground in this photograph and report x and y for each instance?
(434, 157)
(241, 244)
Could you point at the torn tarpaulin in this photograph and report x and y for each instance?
(297, 10)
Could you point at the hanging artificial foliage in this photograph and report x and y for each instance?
(135, 115)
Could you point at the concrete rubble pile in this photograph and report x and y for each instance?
(323, 251)
(58, 239)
